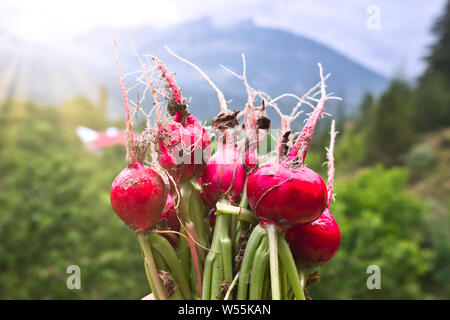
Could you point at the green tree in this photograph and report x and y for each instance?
(433, 92)
(439, 58)
(432, 106)
(380, 225)
(55, 212)
(392, 132)
(82, 111)
(367, 109)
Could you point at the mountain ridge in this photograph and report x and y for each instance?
(278, 61)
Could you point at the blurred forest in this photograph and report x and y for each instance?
(392, 203)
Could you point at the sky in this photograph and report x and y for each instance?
(390, 37)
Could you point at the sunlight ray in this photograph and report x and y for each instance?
(7, 76)
(23, 77)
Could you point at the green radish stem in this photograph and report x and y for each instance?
(266, 285)
(192, 279)
(198, 217)
(192, 236)
(225, 243)
(162, 265)
(207, 274)
(238, 226)
(283, 283)
(200, 210)
(163, 247)
(289, 266)
(244, 200)
(159, 260)
(209, 263)
(186, 191)
(249, 254)
(196, 210)
(193, 249)
(183, 254)
(290, 295)
(196, 185)
(219, 262)
(197, 188)
(241, 225)
(233, 227)
(150, 282)
(272, 232)
(216, 278)
(242, 213)
(259, 266)
(150, 264)
(177, 295)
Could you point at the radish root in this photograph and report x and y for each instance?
(330, 162)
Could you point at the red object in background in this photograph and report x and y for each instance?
(105, 140)
(97, 140)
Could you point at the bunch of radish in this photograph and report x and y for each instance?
(234, 223)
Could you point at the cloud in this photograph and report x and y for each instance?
(399, 44)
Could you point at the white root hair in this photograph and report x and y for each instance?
(220, 96)
(330, 162)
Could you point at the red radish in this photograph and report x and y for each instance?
(184, 150)
(288, 191)
(224, 176)
(250, 161)
(295, 196)
(203, 196)
(314, 244)
(298, 151)
(184, 144)
(255, 123)
(138, 196)
(170, 221)
(138, 193)
(170, 214)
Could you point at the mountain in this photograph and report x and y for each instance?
(277, 62)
